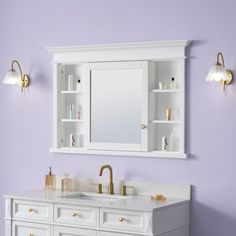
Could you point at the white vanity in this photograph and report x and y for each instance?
(86, 213)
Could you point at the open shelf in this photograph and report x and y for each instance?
(153, 154)
(71, 120)
(165, 90)
(71, 149)
(165, 121)
(71, 92)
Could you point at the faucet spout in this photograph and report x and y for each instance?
(111, 184)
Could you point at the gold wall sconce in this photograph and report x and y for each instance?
(218, 73)
(14, 77)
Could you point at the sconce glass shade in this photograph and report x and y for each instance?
(12, 77)
(217, 73)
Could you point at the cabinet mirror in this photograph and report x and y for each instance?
(116, 92)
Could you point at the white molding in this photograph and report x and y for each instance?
(92, 47)
(8, 226)
(8, 205)
(154, 50)
(84, 151)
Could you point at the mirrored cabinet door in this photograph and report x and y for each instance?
(118, 116)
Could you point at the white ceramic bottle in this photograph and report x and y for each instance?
(71, 112)
(78, 85)
(173, 85)
(70, 82)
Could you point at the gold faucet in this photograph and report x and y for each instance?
(111, 184)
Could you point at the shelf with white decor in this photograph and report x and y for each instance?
(165, 122)
(167, 106)
(71, 92)
(165, 90)
(68, 104)
(72, 120)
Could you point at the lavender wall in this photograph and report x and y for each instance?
(27, 27)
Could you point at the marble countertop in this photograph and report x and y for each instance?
(131, 202)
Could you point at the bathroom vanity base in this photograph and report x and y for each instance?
(56, 213)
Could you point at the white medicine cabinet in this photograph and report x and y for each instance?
(120, 99)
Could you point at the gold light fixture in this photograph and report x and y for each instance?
(218, 73)
(13, 77)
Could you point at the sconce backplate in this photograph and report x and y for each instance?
(230, 78)
(25, 81)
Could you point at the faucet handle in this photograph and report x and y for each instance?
(99, 187)
(124, 190)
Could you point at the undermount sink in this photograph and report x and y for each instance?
(96, 197)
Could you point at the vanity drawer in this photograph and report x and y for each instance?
(113, 234)
(30, 229)
(69, 231)
(123, 220)
(32, 210)
(76, 215)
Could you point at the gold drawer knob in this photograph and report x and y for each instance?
(121, 219)
(75, 214)
(143, 126)
(30, 235)
(30, 210)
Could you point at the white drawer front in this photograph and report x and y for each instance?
(114, 234)
(32, 210)
(131, 221)
(69, 231)
(30, 229)
(77, 215)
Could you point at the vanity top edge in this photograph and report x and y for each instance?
(135, 202)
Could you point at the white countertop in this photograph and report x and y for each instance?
(131, 202)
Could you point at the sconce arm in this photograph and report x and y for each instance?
(19, 67)
(25, 80)
(220, 57)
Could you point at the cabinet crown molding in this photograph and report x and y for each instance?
(92, 47)
(153, 50)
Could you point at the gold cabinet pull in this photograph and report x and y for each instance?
(30, 235)
(143, 126)
(121, 219)
(30, 210)
(75, 214)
